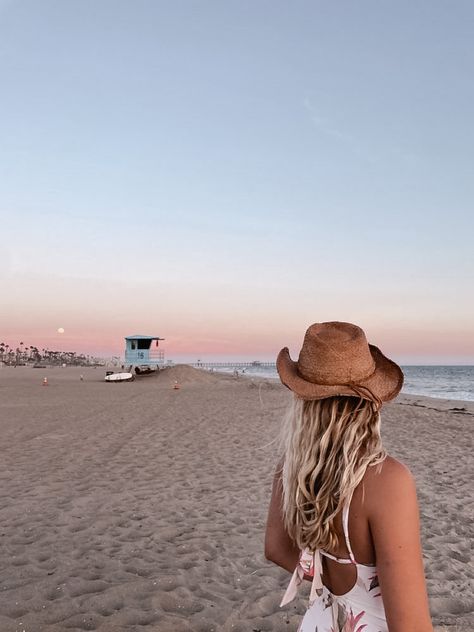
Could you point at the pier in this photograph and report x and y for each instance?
(233, 365)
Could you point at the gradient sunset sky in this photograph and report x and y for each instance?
(224, 173)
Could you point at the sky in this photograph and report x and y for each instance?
(224, 174)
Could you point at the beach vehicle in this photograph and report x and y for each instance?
(119, 377)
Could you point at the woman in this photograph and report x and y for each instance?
(344, 514)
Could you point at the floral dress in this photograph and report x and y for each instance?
(358, 610)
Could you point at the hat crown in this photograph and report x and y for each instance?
(335, 353)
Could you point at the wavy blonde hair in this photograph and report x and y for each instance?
(327, 445)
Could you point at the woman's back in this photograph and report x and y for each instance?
(350, 592)
(351, 525)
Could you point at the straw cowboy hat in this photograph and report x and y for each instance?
(336, 359)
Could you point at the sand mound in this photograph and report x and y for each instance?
(184, 373)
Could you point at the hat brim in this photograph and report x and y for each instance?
(385, 382)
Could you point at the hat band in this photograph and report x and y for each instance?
(316, 378)
(365, 392)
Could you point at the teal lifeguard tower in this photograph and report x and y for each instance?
(141, 353)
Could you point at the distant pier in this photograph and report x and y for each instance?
(233, 365)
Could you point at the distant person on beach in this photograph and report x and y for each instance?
(343, 514)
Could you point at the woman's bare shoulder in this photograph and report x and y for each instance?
(387, 482)
(389, 469)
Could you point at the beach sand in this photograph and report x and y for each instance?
(135, 506)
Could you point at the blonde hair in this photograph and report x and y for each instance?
(327, 444)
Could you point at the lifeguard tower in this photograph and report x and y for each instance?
(142, 354)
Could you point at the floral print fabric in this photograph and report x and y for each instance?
(359, 610)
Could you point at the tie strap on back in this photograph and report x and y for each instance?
(308, 564)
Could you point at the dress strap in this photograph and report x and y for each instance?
(345, 527)
(339, 560)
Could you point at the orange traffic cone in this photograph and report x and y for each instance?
(176, 385)
(45, 381)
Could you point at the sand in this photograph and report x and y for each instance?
(139, 507)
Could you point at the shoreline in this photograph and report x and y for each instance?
(403, 393)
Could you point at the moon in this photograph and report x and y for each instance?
(60, 330)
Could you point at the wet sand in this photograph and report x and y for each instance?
(139, 507)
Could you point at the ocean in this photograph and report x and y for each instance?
(447, 382)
